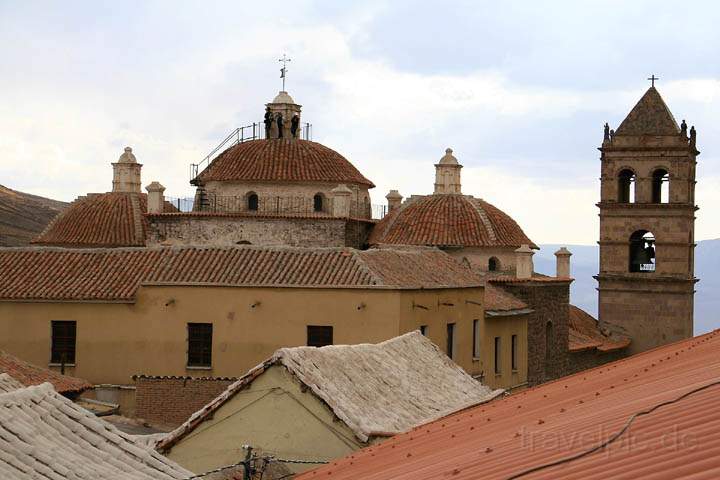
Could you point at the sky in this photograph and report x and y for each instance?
(519, 90)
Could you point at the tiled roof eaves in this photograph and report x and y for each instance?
(533, 280)
(306, 286)
(181, 377)
(508, 313)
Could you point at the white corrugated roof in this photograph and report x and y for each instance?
(376, 389)
(8, 383)
(44, 435)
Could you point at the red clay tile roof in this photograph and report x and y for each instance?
(113, 219)
(678, 385)
(584, 334)
(650, 116)
(29, 374)
(289, 160)
(498, 300)
(445, 220)
(115, 274)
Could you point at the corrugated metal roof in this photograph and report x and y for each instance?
(678, 384)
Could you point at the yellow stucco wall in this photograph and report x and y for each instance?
(116, 341)
(273, 415)
(504, 327)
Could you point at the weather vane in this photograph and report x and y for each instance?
(283, 70)
(652, 79)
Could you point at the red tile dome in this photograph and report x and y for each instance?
(449, 220)
(114, 219)
(281, 159)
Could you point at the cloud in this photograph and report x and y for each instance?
(172, 86)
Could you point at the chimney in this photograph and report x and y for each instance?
(156, 199)
(394, 200)
(126, 173)
(563, 263)
(341, 201)
(524, 262)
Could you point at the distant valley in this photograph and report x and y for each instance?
(24, 216)
(584, 264)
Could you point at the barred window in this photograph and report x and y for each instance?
(514, 352)
(498, 356)
(319, 335)
(199, 344)
(450, 347)
(476, 338)
(62, 349)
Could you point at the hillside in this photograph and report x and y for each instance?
(584, 264)
(23, 216)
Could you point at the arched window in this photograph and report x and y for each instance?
(493, 264)
(642, 252)
(626, 186)
(318, 202)
(252, 201)
(660, 186)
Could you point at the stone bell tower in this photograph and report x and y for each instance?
(283, 107)
(646, 282)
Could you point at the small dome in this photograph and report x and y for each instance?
(283, 97)
(281, 159)
(449, 220)
(448, 158)
(127, 156)
(114, 219)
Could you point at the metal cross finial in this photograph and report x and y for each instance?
(283, 70)
(652, 79)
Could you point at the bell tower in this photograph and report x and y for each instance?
(646, 282)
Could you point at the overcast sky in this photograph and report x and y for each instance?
(519, 90)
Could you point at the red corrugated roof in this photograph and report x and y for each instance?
(289, 160)
(29, 374)
(680, 437)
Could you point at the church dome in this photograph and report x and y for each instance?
(449, 220)
(113, 219)
(281, 159)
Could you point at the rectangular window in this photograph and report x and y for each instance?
(450, 348)
(423, 330)
(199, 344)
(498, 358)
(319, 335)
(476, 338)
(62, 349)
(514, 351)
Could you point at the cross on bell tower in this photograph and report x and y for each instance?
(283, 71)
(652, 79)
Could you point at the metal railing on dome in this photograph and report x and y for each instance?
(182, 204)
(276, 205)
(378, 211)
(255, 131)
